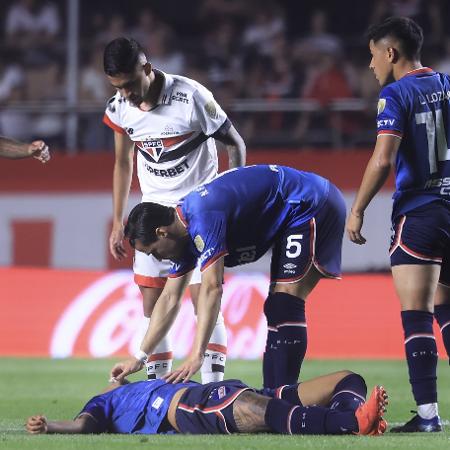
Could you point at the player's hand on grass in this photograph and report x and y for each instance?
(124, 368)
(116, 243)
(185, 372)
(36, 424)
(39, 150)
(353, 227)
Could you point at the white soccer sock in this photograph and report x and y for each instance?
(428, 411)
(160, 361)
(213, 366)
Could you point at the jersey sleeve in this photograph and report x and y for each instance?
(96, 408)
(111, 117)
(209, 238)
(390, 114)
(207, 112)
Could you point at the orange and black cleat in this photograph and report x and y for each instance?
(370, 414)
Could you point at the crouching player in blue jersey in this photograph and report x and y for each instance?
(234, 220)
(413, 131)
(331, 404)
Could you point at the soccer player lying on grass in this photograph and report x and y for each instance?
(330, 404)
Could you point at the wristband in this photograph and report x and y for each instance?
(141, 356)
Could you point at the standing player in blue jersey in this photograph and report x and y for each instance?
(413, 135)
(330, 404)
(234, 220)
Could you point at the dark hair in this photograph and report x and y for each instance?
(121, 56)
(143, 221)
(405, 30)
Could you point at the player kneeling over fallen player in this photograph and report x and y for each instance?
(330, 404)
(233, 220)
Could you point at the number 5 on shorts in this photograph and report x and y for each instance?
(293, 247)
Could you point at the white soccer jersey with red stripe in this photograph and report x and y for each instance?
(174, 153)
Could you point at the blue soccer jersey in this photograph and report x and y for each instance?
(416, 109)
(133, 408)
(240, 214)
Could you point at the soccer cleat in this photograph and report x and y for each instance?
(419, 425)
(370, 414)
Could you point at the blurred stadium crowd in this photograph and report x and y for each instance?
(290, 73)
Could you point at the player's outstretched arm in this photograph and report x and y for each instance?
(375, 175)
(39, 424)
(208, 307)
(235, 145)
(163, 316)
(9, 148)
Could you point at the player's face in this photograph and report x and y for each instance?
(165, 247)
(381, 62)
(132, 86)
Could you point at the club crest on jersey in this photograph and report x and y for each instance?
(199, 243)
(154, 147)
(381, 105)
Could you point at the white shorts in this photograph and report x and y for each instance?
(149, 272)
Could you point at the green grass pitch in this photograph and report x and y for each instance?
(59, 388)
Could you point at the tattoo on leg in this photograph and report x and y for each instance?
(249, 410)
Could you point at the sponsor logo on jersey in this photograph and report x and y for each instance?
(381, 105)
(202, 190)
(211, 109)
(385, 123)
(168, 173)
(130, 131)
(290, 266)
(199, 243)
(180, 97)
(206, 254)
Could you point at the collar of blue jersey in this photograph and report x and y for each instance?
(165, 97)
(419, 71)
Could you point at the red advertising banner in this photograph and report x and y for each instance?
(97, 314)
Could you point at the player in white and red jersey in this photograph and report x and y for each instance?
(169, 119)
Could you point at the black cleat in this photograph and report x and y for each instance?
(419, 425)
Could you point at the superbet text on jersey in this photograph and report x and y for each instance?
(416, 108)
(175, 153)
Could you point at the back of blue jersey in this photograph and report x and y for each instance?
(239, 214)
(416, 109)
(138, 407)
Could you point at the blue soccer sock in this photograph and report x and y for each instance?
(421, 355)
(285, 418)
(349, 393)
(270, 312)
(269, 360)
(287, 339)
(442, 315)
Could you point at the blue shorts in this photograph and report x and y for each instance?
(422, 236)
(317, 242)
(208, 408)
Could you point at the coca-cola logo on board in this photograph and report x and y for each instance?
(106, 319)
